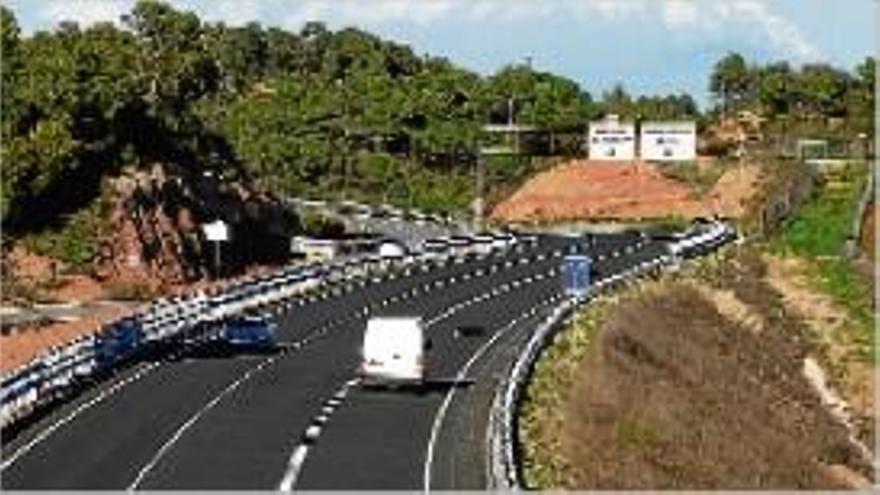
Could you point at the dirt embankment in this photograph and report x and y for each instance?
(600, 190)
(156, 228)
(692, 385)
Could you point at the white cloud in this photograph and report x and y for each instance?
(719, 18)
(372, 12)
(681, 14)
(233, 12)
(613, 9)
(782, 33)
(84, 12)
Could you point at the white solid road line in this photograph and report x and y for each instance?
(193, 419)
(73, 415)
(441, 412)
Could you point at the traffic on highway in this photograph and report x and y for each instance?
(388, 363)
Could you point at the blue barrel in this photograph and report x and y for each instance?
(576, 275)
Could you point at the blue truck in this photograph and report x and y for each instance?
(577, 271)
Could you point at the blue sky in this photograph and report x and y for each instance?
(651, 46)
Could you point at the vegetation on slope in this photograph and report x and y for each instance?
(315, 112)
(692, 382)
(818, 233)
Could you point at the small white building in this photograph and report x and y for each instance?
(611, 139)
(668, 141)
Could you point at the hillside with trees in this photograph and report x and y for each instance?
(316, 113)
(816, 99)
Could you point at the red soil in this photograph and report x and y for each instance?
(604, 190)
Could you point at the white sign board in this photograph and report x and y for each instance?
(216, 231)
(611, 139)
(668, 141)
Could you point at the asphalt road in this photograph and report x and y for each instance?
(253, 421)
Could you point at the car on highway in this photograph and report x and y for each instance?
(251, 331)
(392, 250)
(484, 243)
(395, 213)
(394, 350)
(435, 218)
(355, 209)
(461, 245)
(417, 216)
(502, 240)
(383, 211)
(363, 212)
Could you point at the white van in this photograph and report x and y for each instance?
(394, 350)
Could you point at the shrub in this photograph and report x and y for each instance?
(131, 291)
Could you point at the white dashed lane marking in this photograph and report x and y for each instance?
(310, 436)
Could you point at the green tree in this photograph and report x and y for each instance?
(777, 89)
(731, 81)
(823, 89)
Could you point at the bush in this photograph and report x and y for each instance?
(75, 242)
(822, 226)
(131, 291)
(319, 225)
(698, 179)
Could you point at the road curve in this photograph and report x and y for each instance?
(237, 423)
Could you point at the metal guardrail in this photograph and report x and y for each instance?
(360, 211)
(851, 247)
(178, 321)
(504, 469)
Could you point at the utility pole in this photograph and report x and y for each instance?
(345, 157)
(511, 123)
(345, 142)
(217, 273)
(480, 182)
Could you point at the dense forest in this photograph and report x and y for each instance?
(317, 113)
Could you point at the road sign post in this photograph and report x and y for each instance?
(217, 232)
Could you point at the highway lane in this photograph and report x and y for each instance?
(176, 390)
(176, 398)
(284, 401)
(286, 419)
(382, 438)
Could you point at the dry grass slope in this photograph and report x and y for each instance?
(688, 388)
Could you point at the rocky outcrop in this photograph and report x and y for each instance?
(156, 219)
